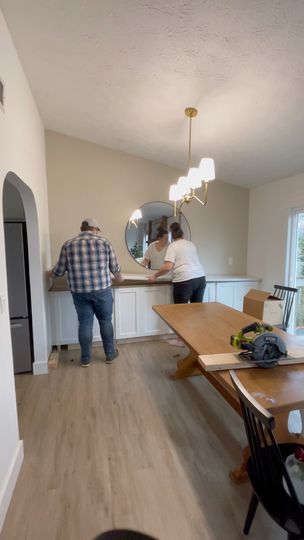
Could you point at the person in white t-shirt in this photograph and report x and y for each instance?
(155, 255)
(189, 281)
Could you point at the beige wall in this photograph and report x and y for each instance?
(271, 207)
(22, 160)
(85, 180)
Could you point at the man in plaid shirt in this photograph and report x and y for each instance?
(88, 260)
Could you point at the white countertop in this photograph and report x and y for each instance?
(133, 280)
(232, 278)
(144, 277)
(209, 279)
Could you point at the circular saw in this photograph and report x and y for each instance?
(263, 347)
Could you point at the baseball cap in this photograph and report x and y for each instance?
(90, 222)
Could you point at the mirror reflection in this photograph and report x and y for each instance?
(147, 234)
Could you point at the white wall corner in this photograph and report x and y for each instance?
(8, 487)
(40, 368)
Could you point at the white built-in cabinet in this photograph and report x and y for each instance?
(231, 293)
(210, 292)
(241, 289)
(127, 312)
(64, 319)
(226, 293)
(133, 316)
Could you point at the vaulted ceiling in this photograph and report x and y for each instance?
(120, 73)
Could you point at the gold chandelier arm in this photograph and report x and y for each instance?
(189, 198)
(180, 206)
(186, 199)
(204, 202)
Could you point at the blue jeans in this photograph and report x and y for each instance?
(99, 303)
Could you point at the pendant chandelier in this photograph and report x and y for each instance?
(197, 177)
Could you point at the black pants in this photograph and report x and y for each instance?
(191, 290)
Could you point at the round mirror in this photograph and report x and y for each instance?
(148, 233)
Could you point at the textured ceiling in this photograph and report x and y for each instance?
(121, 72)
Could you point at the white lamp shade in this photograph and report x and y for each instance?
(184, 185)
(175, 193)
(136, 215)
(194, 178)
(206, 168)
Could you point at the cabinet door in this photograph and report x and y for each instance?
(209, 295)
(64, 320)
(127, 315)
(242, 288)
(151, 323)
(225, 293)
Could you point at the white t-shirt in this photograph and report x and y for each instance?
(154, 256)
(182, 253)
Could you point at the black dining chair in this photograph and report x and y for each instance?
(286, 294)
(123, 534)
(266, 468)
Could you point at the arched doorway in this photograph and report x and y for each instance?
(39, 334)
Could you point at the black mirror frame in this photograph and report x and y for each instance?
(177, 219)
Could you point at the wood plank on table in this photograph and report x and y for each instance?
(218, 362)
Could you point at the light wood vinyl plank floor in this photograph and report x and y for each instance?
(123, 446)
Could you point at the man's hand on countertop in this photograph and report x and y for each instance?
(118, 277)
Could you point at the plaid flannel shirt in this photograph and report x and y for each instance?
(88, 260)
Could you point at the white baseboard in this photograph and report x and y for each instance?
(7, 489)
(40, 368)
(162, 337)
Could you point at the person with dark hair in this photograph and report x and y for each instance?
(88, 259)
(155, 254)
(189, 281)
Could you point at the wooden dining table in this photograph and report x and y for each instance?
(206, 329)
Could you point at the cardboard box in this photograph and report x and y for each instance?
(263, 306)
